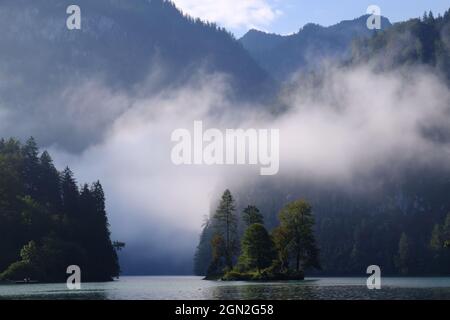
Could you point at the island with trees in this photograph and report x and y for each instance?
(47, 222)
(260, 255)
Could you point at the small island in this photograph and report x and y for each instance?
(257, 255)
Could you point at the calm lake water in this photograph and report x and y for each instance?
(193, 288)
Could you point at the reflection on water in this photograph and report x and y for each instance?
(193, 288)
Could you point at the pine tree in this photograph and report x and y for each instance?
(203, 253)
(106, 256)
(218, 255)
(30, 168)
(403, 256)
(258, 250)
(252, 215)
(70, 193)
(297, 220)
(226, 223)
(49, 183)
(281, 238)
(47, 222)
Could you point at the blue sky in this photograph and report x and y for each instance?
(287, 16)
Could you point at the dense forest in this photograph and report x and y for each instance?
(420, 41)
(405, 229)
(48, 223)
(284, 254)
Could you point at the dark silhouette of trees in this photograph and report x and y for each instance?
(258, 251)
(47, 223)
(262, 255)
(297, 221)
(226, 225)
(404, 254)
(252, 215)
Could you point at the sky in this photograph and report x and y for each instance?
(288, 16)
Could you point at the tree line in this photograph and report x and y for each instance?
(48, 222)
(416, 41)
(285, 253)
(404, 227)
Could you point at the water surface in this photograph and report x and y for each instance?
(194, 288)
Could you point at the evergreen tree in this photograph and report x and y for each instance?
(70, 193)
(298, 222)
(106, 255)
(226, 223)
(47, 222)
(31, 168)
(218, 255)
(49, 183)
(203, 253)
(281, 238)
(258, 250)
(403, 257)
(252, 215)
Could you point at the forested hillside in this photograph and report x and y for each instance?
(47, 222)
(402, 227)
(133, 48)
(423, 41)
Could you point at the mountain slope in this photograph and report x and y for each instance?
(307, 49)
(120, 44)
(423, 41)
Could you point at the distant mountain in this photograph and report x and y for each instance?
(423, 41)
(120, 39)
(308, 48)
(121, 43)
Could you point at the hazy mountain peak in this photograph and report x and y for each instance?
(304, 50)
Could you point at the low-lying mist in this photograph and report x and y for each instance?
(342, 130)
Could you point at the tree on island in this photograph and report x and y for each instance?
(296, 229)
(225, 223)
(281, 240)
(258, 251)
(224, 240)
(251, 215)
(263, 256)
(218, 255)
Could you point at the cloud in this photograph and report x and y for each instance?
(358, 121)
(234, 14)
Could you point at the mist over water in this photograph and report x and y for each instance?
(356, 123)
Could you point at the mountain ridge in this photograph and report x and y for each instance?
(281, 56)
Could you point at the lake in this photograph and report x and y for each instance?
(194, 288)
